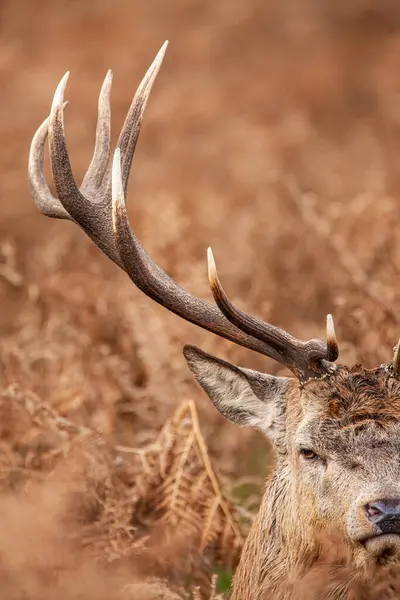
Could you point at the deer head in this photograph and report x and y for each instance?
(336, 430)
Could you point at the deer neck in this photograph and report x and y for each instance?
(276, 541)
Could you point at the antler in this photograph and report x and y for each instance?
(300, 357)
(90, 207)
(396, 359)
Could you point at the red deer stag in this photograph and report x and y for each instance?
(335, 429)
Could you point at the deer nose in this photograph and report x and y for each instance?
(385, 514)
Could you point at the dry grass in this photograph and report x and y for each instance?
(273, 136)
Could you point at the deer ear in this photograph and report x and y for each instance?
(241, 395)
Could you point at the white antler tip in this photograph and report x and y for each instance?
(333, 347)
(160, 56)
(64, 81)
(108, 79)
(117, 153)
(117, 187)
(396, 359)
(212, 269)
(58, 99)
(330, 328)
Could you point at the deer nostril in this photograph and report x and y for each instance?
(372, 511)
(385, 514)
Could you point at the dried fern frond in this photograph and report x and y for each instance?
(181, 483)
(181, 495)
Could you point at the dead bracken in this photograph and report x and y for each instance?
(276, 144)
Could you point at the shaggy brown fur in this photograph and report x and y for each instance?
(352, 420)
(337, 442)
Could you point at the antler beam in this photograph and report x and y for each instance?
(98, 207)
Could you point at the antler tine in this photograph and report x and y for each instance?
(43, 198)
(156, 284)
(131, 129)
(89, 206)
(93, 218)
(396, 359)
(333, 346)
(97, 168)
(302, 358)
(70, 197)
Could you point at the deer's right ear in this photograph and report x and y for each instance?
(241, 395)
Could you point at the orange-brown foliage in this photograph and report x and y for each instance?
(272, 135)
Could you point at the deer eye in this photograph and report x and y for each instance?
(308, 454)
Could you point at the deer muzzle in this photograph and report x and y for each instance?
(375, 523)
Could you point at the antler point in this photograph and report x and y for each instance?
(212, 268)
(396, 359)
(333, 347)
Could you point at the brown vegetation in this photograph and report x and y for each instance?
(272, 135)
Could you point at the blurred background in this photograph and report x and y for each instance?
(272, 135)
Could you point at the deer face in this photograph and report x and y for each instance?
(345, 453)
(337, 442)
